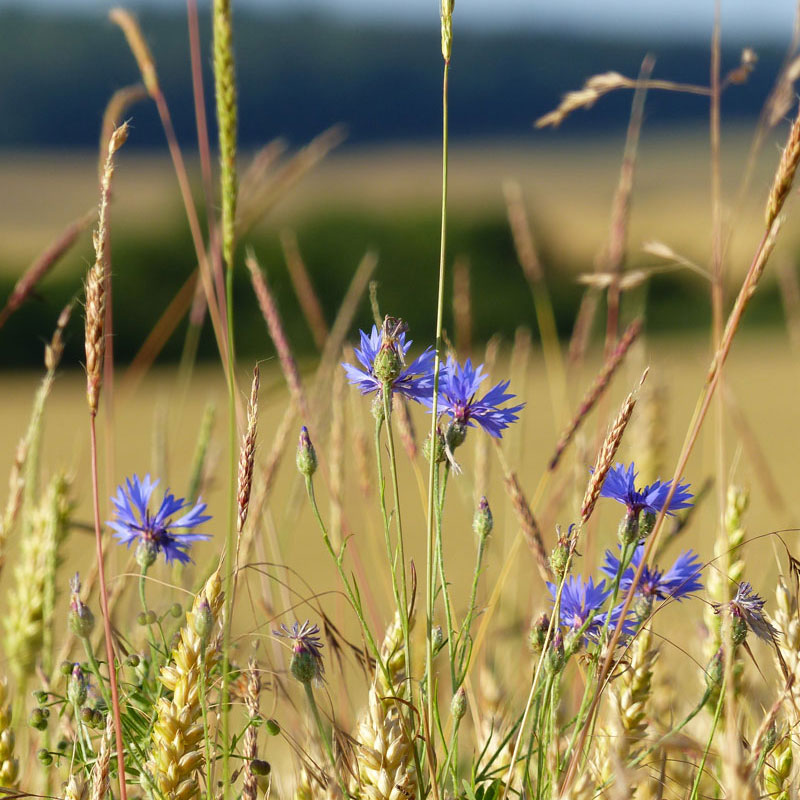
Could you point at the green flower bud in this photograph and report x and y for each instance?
(86, 715)
(483, 522)
(37, 719)
(437, 639)
(273, 727)
(40, 696)
(306, 455)
(628, 532)
(458, 705)
(388, 364)
(65, 668)
(455, 435)
(646, 524)
(439, 454)
(146, 553)
(556, 658)
(176, 609)
(133, 660)
(77, 687)
(44, 757)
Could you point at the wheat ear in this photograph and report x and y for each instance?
(176, 752)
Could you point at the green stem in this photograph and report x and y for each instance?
(143, 600)
(206, 737)
(430, 567)
(464, 644)
(448, 608)
(701, 767)
(404, 610)
(323, 734)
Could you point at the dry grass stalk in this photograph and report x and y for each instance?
(599, 85)
(304, 289)
(250, 746)
(176, 752)
(278, 447)
(9, 765)
(784, 177)
(530, 528)
(269, 310)
(43, 264)
(462, 306)
(521, 232)
(247, 454)
(605, 456)
(96, 279)
(100, 782)
(597, 389)
(116, 109)
(139, 47)
(783, 95)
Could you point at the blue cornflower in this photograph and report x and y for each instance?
(307, 664)
(155, 533)
(678, 581)
(581, 602)
(747, 611)
(458, 389)
(414, 381)
(620, 485)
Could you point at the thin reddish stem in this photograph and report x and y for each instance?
(112, 670)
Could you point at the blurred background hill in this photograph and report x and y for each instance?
(300, 73)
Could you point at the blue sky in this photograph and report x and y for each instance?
(743, 20)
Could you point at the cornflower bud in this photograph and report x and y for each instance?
(458, 705)
(306, 455)
(306, 665)
(556, 657)
(483, 522)
(559, 558)
(146, 553)
(456, 434)
(77, 687)
(80, 618)
(628, 532)
(439, 449)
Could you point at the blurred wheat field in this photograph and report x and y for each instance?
(568, 184)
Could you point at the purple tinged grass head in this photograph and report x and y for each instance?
(157, 531)
(414, 381)
(681, 579)
(581, 603)
(458, 397)
(620, 485)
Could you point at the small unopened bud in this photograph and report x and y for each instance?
(556, 658)
(203, 620)
(538, 633)
(77, 687)
(628, 532)
(458, 705)
(483, 522)
(176, 609)
(388, 364)
(306, 455)
(273, 727)
(87, 715)
(439, 450)
(65, 668)
(44, 757)
(37, 719)
(80, 618)
(303, 665)
(40, 696)
(146, 553)
(260, 767)
(559, 558)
